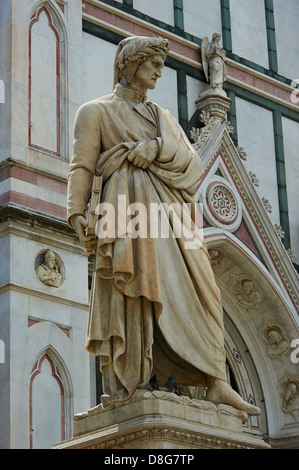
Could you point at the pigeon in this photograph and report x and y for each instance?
(154, 383)
(172, 386)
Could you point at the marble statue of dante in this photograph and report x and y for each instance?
(155, 307)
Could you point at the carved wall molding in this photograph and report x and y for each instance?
(173, 436)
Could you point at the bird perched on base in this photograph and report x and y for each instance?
(172, 386)
(154, 383)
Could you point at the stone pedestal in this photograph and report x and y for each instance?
(217, 105)
(161, 420)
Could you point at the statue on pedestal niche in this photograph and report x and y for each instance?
(155, 308)
(213, 61)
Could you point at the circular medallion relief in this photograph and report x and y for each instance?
(223, 203)
(49, 268)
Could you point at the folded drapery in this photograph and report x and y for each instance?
(147, 282)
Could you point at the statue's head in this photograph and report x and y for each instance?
(50, 259)
(133, 52)
(216, 37)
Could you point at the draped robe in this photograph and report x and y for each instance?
(155, 306)
(217, 66)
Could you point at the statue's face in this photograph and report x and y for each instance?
(148, 73)
(50, 260)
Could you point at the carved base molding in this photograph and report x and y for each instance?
(162, 420)
(291, 442)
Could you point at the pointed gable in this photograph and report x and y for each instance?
(231, 206)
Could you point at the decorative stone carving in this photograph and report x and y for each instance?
(213, 61)
(289, 392)
(223, 203)
(242, 153)
(206, 118)
(254, 179)
(273, 338)
(292, 256)
(49, 268)
(246, 292)
(216, 257)
(279, 231)
(216, 106)
(199, 136)
(267, 205)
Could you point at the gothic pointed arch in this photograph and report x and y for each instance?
(47, 84)
(259, 327)
(50, 392)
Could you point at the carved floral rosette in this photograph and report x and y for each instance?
(221, 205)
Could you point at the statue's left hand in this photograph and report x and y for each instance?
(144, 153)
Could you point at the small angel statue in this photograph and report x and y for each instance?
(213, 60)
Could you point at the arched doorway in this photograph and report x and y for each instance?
(255, 302)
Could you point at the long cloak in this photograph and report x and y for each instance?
(155, 306)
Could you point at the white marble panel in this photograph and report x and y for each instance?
(202, 17)
(43, 85)
(5, 76)
(286, 15)
(162, 10)
(194, 89)
(97, 67)
(249, 33)
(256, 136)
(44, 122)
(46, 408)
(291, 151)
(24, 273)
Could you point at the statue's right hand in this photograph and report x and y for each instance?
(144, 153)
(79, 224)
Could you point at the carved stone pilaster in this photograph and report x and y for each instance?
(218, 106)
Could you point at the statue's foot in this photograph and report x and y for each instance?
(220, 392)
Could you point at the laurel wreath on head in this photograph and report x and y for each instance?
(140, 50)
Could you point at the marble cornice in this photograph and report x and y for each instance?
(29, 291)
(9, 162)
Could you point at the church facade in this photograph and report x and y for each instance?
(58, 54)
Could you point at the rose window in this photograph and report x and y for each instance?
(222, 203)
